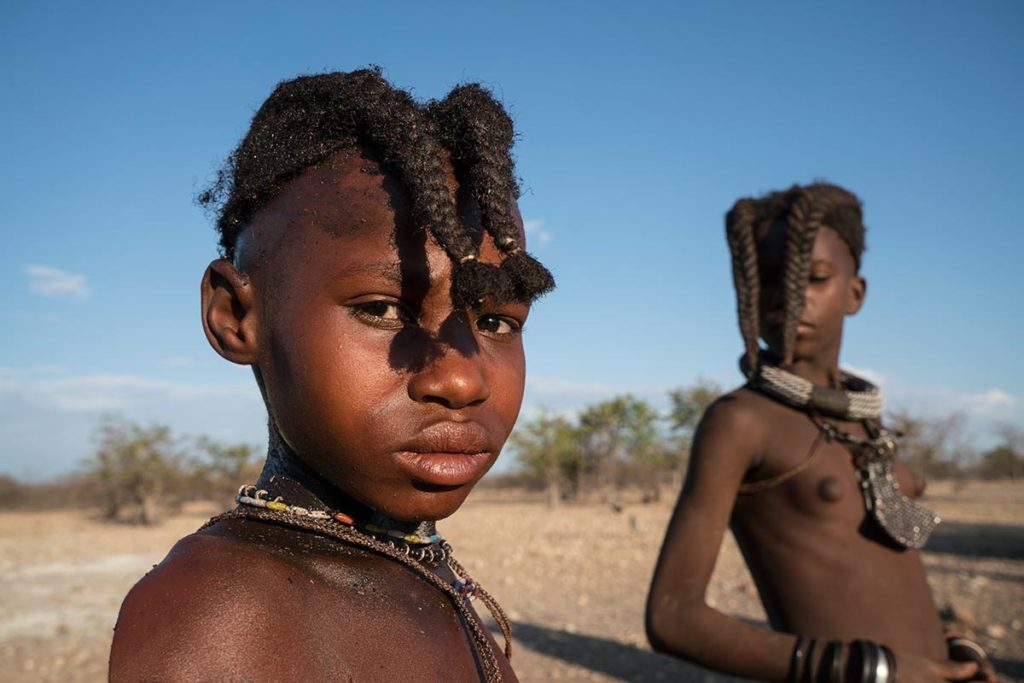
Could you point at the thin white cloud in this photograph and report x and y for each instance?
(55, 283)
(993, 400)
(536, 234)
(986, 405)
(48, 421)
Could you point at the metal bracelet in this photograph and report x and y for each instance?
(808, 671)
(836, 675)
(890, 659)
(881, 666)
(796, 659)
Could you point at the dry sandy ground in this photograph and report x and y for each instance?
(573, 582)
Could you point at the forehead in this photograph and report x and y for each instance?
(346, 194)
(828, 246)
(344, 206)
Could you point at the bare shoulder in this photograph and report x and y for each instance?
(736, 421)
(219, 605)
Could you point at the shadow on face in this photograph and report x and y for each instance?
(414, 348)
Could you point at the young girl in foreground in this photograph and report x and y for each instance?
(374, 278)
(798, 462)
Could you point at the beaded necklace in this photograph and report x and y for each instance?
(421, 554)
(430, 549)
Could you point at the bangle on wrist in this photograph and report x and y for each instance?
(796, 660)
(807, 675)
(830, 663)
(964, 649)
(870, 663)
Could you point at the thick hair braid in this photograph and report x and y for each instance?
(804, 221)
(407, 139)
(739, 231)
(805, 209)
(308, 118)
(479, 134)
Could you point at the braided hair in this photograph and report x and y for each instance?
(805, 210)
(308, 118)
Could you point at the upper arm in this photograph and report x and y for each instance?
(725, 447)
(208, 612)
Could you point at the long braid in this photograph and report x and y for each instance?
(804, 221)
(739, 231)
(479, 133)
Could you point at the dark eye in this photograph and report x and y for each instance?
(382, 312)
(383, 309)
(497, 324)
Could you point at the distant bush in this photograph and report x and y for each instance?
(1005, 461)
(139, 473)
(65, 492)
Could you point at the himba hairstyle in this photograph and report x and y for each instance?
(805, 210)
(308, 118)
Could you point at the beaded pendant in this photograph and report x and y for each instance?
(908, 523)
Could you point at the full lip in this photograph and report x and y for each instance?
(447, 454)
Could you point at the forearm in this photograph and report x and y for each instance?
(722, 643)
(700, 634)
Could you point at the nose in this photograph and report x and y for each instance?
(453, 378)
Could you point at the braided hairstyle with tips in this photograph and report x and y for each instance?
(308, 118)
(805, 210)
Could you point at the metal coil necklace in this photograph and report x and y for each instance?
(857, 399)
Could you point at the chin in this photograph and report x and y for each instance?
(427, 504)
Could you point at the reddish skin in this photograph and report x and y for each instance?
(350, 329)
(820, 570)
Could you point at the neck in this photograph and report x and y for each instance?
(285, 474)
(821, 369)
(822, 374)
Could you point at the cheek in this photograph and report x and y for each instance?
(826, 302)
(508, 382)
(325, 371)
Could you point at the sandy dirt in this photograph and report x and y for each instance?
(573, 582)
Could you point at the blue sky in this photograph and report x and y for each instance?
(640, 124)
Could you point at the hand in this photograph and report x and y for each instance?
(914, 668)
(986, 672)
(965, 650)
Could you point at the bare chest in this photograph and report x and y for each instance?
(391, 625)
(810, 474)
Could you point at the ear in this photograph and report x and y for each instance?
(858, 290)
(229, 312)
